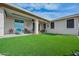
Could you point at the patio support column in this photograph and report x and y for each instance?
(2, 22)
(36, 27)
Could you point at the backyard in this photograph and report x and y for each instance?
(39, 45)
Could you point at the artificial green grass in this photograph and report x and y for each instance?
(39, 45)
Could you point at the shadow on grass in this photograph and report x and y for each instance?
(2, 54)
(58, 34)
(53, 34)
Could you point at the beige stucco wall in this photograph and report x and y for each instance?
(9, 24)
(60, 27)
(28, 25)
(41, 26)
(1, 21)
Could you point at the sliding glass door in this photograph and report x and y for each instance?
(19, 26)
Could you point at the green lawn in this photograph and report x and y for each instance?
(42, 44)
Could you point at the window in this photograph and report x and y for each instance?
(19, 21)
(19, 25)
(52, 25)
(44, 26)
(33, 27)
(39, 27)
(70, 23)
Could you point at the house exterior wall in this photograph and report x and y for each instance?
(41, 26)
(8, 24)
(1, 21)
(28, 25)
(60, 27)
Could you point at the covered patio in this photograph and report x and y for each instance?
(14, 20)
(19, 24)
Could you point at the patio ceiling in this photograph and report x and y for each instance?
(17, 16)
(8, 14)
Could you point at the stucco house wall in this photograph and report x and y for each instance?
(60, 27)
(8, 24)
(41, 26)
(1, 21)
(28, 25)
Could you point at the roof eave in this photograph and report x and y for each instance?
(24, 11)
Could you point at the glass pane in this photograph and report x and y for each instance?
(19, 25)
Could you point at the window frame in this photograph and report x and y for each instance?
(70, 23)
(52, 25)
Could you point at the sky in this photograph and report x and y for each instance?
(51, 11)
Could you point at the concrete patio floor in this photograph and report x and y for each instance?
(13, 35)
